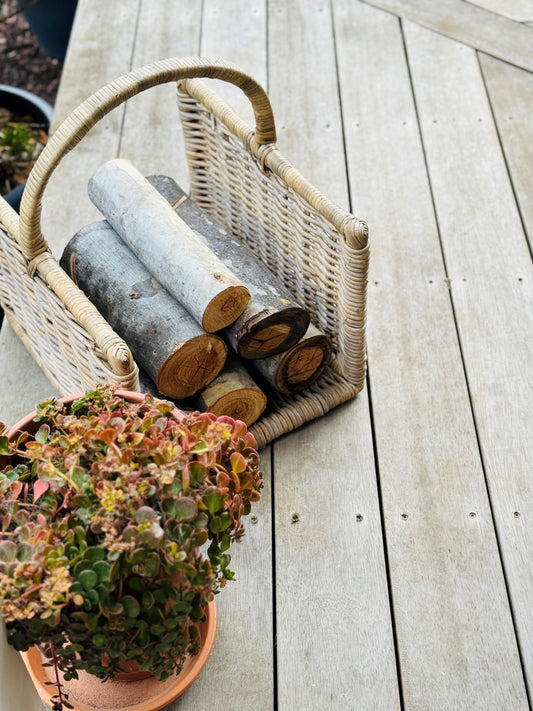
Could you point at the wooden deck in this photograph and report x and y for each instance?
(405, 581)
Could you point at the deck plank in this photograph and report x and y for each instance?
(90, 65)
(489, 266)
(335, 646)
(511, 96)
(239, 673)
(151, 136)
(491, 33)
(519, 10)
(455, 636)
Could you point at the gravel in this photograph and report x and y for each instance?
(22, 62)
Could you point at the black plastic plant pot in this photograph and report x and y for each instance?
(51, 22)
(23, 103)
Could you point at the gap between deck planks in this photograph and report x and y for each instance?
(455, 636)
(491, 33)
(510, 92)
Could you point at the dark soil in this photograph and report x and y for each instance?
(22, 62)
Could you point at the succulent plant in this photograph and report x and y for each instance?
(116, 522)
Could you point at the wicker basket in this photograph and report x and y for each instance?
(318, 250)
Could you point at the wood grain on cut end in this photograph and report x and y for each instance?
(225, 308)
(303, 364)
(234, 393)
(192, 366)
(265, 335)
(299, 366)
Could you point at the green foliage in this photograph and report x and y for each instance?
(17, 140)
(104, 514)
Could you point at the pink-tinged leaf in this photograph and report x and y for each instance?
(41, 519)
(39, 488)
(108, 435)
(238, 462)
(249, 440)
(118, 424)
(16, 488)
(239, 429)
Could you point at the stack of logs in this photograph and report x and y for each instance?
(162, 273)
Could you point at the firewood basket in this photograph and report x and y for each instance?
(239, 176)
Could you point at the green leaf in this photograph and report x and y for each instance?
(8, 551)
(99, 639)
(92, 596)
(112, 608)
(157, 630)
(42, 433)
(147, 600)
(4, 445)
(24, 552)
(215, 524)
(88, 578)
(131, 605)
(149, 567)
(197, 473)
(93, 554)
(214, 500)
(136, 584)
(185, 509)
(102, 570)
(225, 543)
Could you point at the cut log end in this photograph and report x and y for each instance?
(192, 366)
(267, 336)
(303, 365)
(246, 404)
(225, 308)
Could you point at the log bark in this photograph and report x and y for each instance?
(164, 339)
(170, 249)
(300, 366)
(272, 321)
(233, 393)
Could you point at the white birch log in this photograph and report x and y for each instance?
(300, 366)
(272, 321)
(164, 339)
(170, 249)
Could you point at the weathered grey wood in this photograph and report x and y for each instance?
(233, 393)
(519, 10)
(272, 321)
(173, 253)
(491, 33)
(335, 646)
(91, 64)
(151, 133)
(164, 339)
(300, 366)
(239, 673)
(489, 266)
(454, 630)
(511, 96)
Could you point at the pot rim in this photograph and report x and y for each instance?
(33, 662)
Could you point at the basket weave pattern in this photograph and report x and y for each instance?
(238, 175)
(293, 238)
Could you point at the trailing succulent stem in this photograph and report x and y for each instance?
(104, 514)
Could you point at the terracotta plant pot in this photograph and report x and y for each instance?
(146, 694)
(132, 692)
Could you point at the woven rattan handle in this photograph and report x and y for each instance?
(82, 119)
